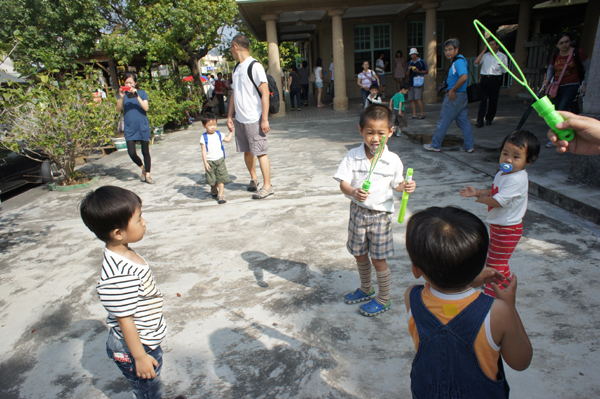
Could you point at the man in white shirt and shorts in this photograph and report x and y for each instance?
(251, 114)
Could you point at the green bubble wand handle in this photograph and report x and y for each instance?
(409, 175)
(543, 106)
(367, 183)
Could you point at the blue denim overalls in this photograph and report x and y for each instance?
(446, 366)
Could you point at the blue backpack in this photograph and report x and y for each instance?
(206, 142)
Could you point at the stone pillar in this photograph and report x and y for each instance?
(274, 61)
(430, 47)
(590, 25)
(586, 169)
(340, 101)
(525, 7)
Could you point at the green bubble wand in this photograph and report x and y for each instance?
(543, 106)
(367, 183)
(409, 175)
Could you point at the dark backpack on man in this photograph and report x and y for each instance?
(273, 92)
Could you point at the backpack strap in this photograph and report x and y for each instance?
(205, 135)
(221, 140)
(251, 78)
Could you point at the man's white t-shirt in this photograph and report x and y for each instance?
(247, 101)
(491, 66)
(214, 151)
(331, 69)
(510, 190)
(387, 175)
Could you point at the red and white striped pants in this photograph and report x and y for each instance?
(503, 241)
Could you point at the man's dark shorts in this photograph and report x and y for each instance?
(249, 137)
(218, 172)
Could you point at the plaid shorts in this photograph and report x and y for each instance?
(370, 232)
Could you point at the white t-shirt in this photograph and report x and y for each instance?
(491, 66)
(318, 74)
(387, 175)
(214, 151)
(510, 190)
(247, 101)
(331, 69)
(379, 65)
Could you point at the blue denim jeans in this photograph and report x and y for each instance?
(364, 94)
(454, 110)
(564, 97)
(142, 388)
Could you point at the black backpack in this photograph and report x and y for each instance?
(273, 92)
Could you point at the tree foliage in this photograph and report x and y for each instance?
(287, 52)
(60, 124)
(50, 32)
(165, 30)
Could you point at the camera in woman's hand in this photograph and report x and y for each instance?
(132, 95)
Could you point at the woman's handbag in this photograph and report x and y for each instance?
(552, 89)
(312, 78)
(418, 81)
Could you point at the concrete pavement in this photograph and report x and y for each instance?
(253, 289)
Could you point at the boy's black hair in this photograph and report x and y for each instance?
(524, 139)
(448, 244)
(207, 117)
(374, 86)
(376, 112)
(405, 86)
(107, 209)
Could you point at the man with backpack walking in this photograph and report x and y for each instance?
(250, 100)
(454, 107)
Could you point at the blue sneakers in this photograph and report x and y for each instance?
(373, 308)
(359, 296)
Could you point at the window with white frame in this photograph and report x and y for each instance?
(370, 41)
(416, 38)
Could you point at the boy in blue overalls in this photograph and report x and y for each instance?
(460, 334)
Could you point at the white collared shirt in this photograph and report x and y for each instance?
(491, 66)
(387, 175)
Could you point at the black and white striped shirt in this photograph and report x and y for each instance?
(128, 289)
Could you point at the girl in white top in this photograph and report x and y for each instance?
(319, 81)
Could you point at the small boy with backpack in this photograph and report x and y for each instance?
(213, 156)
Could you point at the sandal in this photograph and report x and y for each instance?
(422, 117)
(221, 199)
(143, 178)
(253, 185)
(413, 117)
(263, 193)
(149, 180)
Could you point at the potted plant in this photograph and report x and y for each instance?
(62, 121)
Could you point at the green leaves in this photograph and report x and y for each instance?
(62, 124)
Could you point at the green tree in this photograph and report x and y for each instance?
(287, 52)
(183, 30)
(60, 124)
(50, 32)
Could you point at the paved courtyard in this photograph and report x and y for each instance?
(253, 289)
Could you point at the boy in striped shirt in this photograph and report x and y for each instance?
(127, 289)
(507, 199)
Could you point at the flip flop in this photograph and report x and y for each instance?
(413, 117)
(422, 117)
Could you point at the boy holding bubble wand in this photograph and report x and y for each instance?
(370, 237)
(507, 200)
